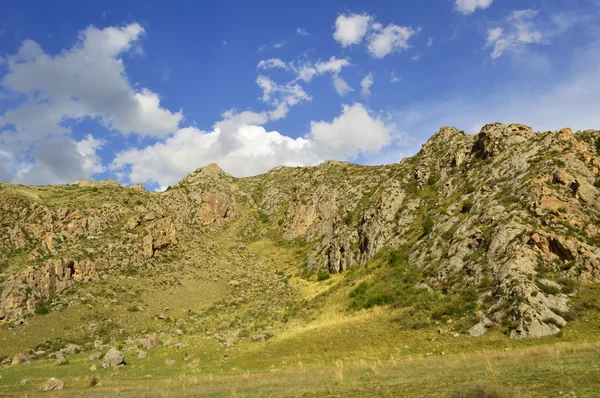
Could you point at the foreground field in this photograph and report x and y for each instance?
(553, 370)
(360, 355)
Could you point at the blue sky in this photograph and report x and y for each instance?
(148, 91)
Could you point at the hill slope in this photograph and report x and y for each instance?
(495, 231)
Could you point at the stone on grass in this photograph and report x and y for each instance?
(142, 355)
(53, 384)
(61, 361)
(113, 358)
(478, 330)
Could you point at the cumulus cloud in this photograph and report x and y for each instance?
(366, 84)
(86, 81)
(57, 160)
(351, 28)
(301, 32)
(252, 149)
(467, 7)
(272, 63)
(519, 31)
(355, 131)
(392, 38)
(57, 91)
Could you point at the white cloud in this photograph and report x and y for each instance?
(224, 42)
(366, 84)
(519, 32)
(469, 6)
(355, 131)
(430, 42)
(394, 78)
(334, 65)
(341, 86)
(87, 80)
(351, 28)
(276, 94)
(57, 160)
(392, 38)
(251, 150)
(301, 32)
(272, 63)
(278, 44)
(305, 71)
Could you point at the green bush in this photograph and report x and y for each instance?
(264, 218)
(598, 145)
(133, 308)
(466, 206)
(547, 289)
(427, 225)
(44, 309)
(323, 276)
(552, 321)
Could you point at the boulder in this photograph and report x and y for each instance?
(19, 358)
(53, 384)
(478, 330)
(61, 361)
(94, 356)
(113, 358)
(71, 349)
(142, 355)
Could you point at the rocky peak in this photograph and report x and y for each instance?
(207, 174)
(496, 137)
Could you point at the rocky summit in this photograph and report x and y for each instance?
(493, 231)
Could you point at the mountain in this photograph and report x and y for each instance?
(494, 231)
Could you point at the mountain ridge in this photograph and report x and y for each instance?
(509, 215)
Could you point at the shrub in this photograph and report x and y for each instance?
(568, 285)
(94, 381)
(264, 218)
(323, 276)
(427, 225)
(44, 309)
(552, 321)
(466, 206)
(547, 289)
(432, 179)
(133, 308)
(598, 145)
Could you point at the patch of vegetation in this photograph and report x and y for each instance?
(42, 310)
(598, 145)
(466, 206)
(323, 276)
(548, 289)
(427, 225)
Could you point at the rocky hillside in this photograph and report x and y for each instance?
(510, 216)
